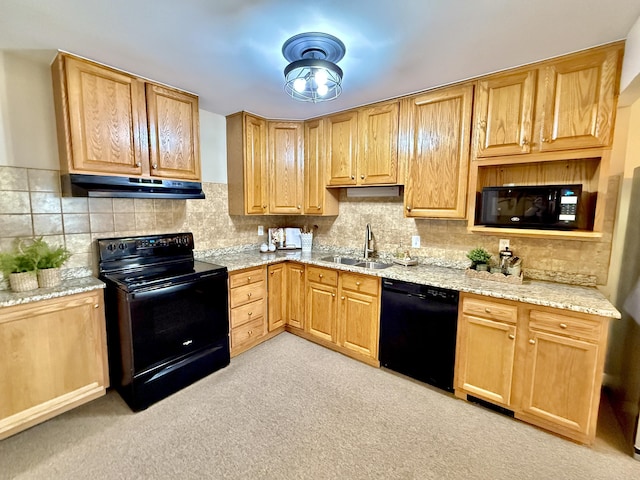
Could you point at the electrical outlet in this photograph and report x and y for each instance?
(415, 241)
(260, 230)
(502, 244)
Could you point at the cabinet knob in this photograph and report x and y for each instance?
(362, 177)
(96, 306)
(248, 279)
(299, 207)
(249, 294)
(487, 310)
(512, 336)
(408, 208)
(250, 332)
(333, 294)
(264, 206)
(342, 297)
(545, 140)
(320, 276)
(138, 164)
(532, 341)
(524, 142)
(358, 284)
(563, 325)
(482, 124)
(250, 313)
(319, 206)
(154, 166)
(272, 273)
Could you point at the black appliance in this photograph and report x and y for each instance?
(110, 186)
(418, 326)
(535, 206)
(167, 315)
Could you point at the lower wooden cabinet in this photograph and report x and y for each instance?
(247, 308)
(544, 364)
(277, 294)
(343, 312)
(53, 357)
(295, 290)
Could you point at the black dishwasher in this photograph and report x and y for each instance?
(418, 326)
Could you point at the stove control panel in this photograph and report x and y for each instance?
(143, 246)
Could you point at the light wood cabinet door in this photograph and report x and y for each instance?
(322, 311)
(255, 165)
(53, 357)
(437, 155)
(318, 200)
(378, 148)
(276, 288)
(504, 114)
(485, 358)
(296, 292)
(579, 101)
(101, 119)
(174, 133)
(285, 167)
(359, 320)
(341, 136)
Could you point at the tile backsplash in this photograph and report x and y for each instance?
(32, 205)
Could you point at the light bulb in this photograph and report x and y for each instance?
(322, 90)
(321, 77)
(299, 84)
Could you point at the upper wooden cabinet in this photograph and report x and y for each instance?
(362, 146)
(504, 114)
(111, 122)
(247, 164)
(174, 133)
(437, 131)
(578, 100)
(285, 167)
(318, 200)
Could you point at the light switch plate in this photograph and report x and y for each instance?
(260, 230)
(415, 241)
(502, 244)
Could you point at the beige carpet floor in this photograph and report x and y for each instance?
(290, 409)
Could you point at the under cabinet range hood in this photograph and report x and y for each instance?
(107, 186)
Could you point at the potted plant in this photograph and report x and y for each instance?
(20, 266)
(49, 259)
(479, 258)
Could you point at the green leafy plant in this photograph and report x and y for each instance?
(47, 256)
(478, 256)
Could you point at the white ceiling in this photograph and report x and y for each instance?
(229, 51)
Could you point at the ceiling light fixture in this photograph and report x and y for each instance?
(312, 75)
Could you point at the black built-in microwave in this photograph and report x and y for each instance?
(535, 206)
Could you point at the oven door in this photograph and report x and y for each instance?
(160, 325)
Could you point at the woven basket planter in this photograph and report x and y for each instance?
(49, 277)
(24, 281)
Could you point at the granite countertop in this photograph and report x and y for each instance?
(557, 295)
(69, 286)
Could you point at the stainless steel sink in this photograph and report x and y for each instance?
(342, 260)
(373, 265)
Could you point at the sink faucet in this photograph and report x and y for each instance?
(368, 238)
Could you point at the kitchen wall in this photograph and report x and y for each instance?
(32, 204)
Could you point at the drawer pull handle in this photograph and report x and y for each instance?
(320, 276)
(250, 332)
(358, 284)
(250, 313)
(487, 310)
(248, 279)
(532, 341)
(249, 294)
(512, 336)
(563, 325)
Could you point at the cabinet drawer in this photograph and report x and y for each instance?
(249, 293)
(360, 283)
(322, 275)
(246, 278)
(490, 310)
(247, 332)
(584, 328)
(246, 313)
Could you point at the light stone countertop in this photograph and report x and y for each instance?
(68, 286)
(557, 295)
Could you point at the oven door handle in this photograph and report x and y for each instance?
(167, 288)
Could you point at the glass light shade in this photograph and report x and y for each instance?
(313, 80)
